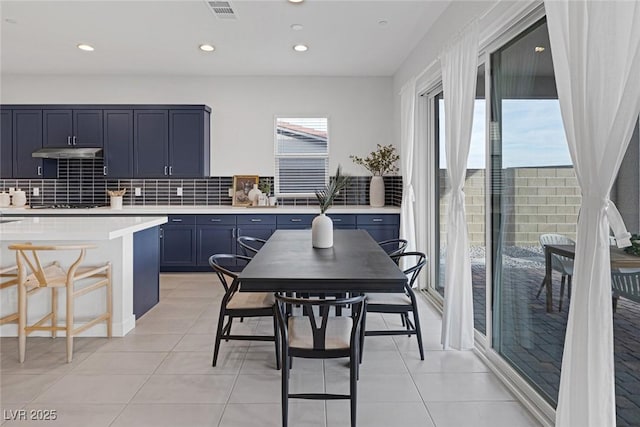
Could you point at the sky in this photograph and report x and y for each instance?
(532, 134)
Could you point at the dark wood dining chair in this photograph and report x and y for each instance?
(236, 304)
(402, 303)
(394, 247)
(320, 336)
(250, 245)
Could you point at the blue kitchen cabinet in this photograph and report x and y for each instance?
(171, 143)
(178, 242)
(216, 234)
(6, 144)
(294, 222)
(27, 138)
(380, 227)
(188, 143)
(259, 226)
(343, 221)
(146, 266)
(72, 128)
(150, 143)
(118, 143)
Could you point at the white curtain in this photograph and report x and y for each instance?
(459, 75)
(596, 58)
(407, 144)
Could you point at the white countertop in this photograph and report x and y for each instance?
(174, 210)
(31, 228)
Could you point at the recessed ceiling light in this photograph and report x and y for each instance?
(296, 27)
(10, 21)
(539, 49)
(383, 22)
(85, 47)
(296, 1)
(300, 48)
(207, 48)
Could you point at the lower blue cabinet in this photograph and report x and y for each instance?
(188, 241)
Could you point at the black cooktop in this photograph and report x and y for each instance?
(69, 206)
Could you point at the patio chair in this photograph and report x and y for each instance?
(562, 265)
(626, 285)
(320, 336)
(237, 304)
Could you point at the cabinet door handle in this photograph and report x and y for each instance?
(176, 220)
(256, 220)
(336, 219)
(69, 140)
(296, 220)
(233, 233)
(161, 232)
(215, 220)
(104, 170)
(377, 220)
(39, 170)
(165, 170)
(170, 170)
(74, 140)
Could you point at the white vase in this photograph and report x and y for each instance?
(376, 191)
(322, 232)
(254, 194)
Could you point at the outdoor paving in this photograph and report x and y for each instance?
(533, 339)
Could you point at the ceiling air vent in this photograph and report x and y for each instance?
(222, 9)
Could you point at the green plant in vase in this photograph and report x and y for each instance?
(322, 226)
(379, 162)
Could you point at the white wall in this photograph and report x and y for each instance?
(360, 109)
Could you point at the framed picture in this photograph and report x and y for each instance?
(242, 184)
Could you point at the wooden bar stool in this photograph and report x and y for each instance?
(33, 276)
(9, 277)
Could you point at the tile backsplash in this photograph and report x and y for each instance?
(81, 181)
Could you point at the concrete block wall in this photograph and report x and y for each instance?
(535, 201)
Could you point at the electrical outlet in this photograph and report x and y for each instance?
(36, 191)
(179, 191)
(138, 191)
(230, 192)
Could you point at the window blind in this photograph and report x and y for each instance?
(301, 156)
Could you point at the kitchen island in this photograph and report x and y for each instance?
(131, 244)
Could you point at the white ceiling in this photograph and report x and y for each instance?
(162, 37)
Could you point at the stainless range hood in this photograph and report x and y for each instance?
(68, 153)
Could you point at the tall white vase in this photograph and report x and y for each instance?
(322, 232)
(376, 191)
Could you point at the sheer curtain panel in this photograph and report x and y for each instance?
(596, 59)
(459, 63)
(407, 144)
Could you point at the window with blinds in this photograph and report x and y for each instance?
(301, 155)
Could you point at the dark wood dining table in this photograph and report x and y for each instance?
(289, 263)
(619, 259)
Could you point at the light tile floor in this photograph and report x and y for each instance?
(161, 375)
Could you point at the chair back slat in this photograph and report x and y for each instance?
(626, 285)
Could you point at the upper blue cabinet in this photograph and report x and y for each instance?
(72, 128)
(138, 141)
(171, 143)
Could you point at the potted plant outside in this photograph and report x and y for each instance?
(322, 226)
(379, 162)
